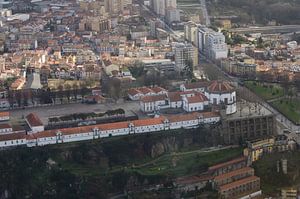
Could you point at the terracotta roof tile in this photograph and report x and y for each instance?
(34, 120)
(5, 126)
(12, 136)
(239, 183)
(197, 99)
(133, 91)
(234, 161)
(158, 89)
(234, 173)
(151, 121)
(220, 87)
(195, 85)
(155, 98)
(4, 114)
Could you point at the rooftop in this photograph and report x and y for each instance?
(239, 183)
(225, 164)
(234, 173)
(247, 110)
(34, 120)
(220, 87)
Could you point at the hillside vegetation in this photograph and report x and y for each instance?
(95, 169)
(260, 11)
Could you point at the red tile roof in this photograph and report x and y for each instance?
(145, 90)
(220, 87)
(4, 114)
(239, 183)
(154, 98)
(199, 97)
(12, 136)
(133, 92)
(110, 126)
(234, 173)
(225, 164)
(158, 89)
(185, 117)
(151, 121)
(34, 120)
(5, 126)
(196, 85)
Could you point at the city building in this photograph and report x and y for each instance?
(172, 15)
(191, 33)
(251, 121)
(212, 43)
(185, 54)
(34, 123)
(289, 193)
(257, 148)
(57, 136)
(238, 188)
(198, 102)
(217, 47)
(222, 94)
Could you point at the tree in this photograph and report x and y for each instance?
(60, 92)
(68, 91)
(115, 88)
(83, 90)
(260, 43)
(75, 91)
(18, 95)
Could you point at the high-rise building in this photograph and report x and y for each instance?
(114, 6)
(171, 3)
(160, 6)
(172, 15)
(185, 53)
(217, 46)
(191, 33)
(212, 43)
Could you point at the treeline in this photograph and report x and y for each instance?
(24, 97)
(262, 11)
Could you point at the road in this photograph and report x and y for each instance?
(172, 33)
(205, 13)
(268, 29)
(281, 119)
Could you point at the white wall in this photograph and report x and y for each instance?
(10, 143)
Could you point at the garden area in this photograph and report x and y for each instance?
(289, 107)
(186, 163)
(267, 91)
(84, 116)
(271, 180)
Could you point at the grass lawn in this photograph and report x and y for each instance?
(177, 164)
(266, 91)
(271, 180)
(181, 164)
(290, 108)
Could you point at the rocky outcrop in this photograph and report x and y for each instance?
(169, 144)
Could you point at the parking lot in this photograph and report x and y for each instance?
(64, 109)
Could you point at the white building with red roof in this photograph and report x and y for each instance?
(195, 86)
(195, 103)
(222, 93)
(150, 104)
(137, 93)
(4, 116)
(12, 140)
(34, 122)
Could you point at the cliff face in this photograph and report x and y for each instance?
(166, 145)
(93, 168)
